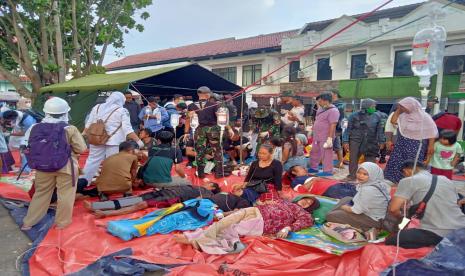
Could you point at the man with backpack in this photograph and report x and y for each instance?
(20, 122)
(441, 213)
(109, 125)
(53, 148)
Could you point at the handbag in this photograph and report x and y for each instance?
(259, 186)
(418, 210)
(390, 222)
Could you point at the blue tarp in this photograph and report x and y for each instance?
(448, 258)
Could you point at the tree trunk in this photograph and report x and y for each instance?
(59, 42)
(16, 81)
(44, 48)
(77, 48)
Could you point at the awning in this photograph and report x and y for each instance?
(105, 82)
(83, 93)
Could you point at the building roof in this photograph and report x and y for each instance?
(204, 50)
(256, 44)
(392, 13)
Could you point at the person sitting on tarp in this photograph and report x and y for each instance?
(441, 215)
(169, 196)
(119, 171)
(369, 203)
(275, 218)
(157, 170)
(145, 135)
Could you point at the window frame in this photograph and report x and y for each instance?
(394, 74)
(227, 73)
(256, 73)
(293, 73)
(352, 63)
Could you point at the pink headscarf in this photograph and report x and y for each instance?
(417, 124)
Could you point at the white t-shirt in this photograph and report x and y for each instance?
(298, 111)
(119, 118)
(389, 127)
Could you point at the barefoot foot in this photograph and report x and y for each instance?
(99, 214)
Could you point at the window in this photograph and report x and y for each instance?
(357, 66)
(228, 73)
(251, 73)
(294, 71)
(402, 65)
(324, 70)
(454, 65)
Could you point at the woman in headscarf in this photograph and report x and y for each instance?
(369, 203)
(46, 181)
(416, 134)
(117, 124)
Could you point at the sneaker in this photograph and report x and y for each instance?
(312, 170)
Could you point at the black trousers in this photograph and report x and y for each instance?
(414, 238)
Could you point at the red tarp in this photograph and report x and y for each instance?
(86, 240)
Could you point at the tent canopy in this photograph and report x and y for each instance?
(83, 93)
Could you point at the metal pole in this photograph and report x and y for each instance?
(242, 127)
(439, 88)
(462, 117)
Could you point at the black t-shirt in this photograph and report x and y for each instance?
(273, 173)
(207, 117)
(184, 192)
(229, 202)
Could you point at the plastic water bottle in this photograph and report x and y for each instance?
(428, 53)
(157, 114)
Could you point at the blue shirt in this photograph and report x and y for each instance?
(152, 123)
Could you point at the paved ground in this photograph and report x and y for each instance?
(12, 243)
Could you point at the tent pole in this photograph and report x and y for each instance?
(241, 132)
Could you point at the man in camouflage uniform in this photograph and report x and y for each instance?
(207, 135)
(266, 123)
(364, 135)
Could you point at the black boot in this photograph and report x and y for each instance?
(201, 171)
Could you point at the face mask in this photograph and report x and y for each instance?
(371, 110)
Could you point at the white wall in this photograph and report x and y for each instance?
(381, 50)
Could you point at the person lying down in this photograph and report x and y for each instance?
(275, 218)
(168, 196)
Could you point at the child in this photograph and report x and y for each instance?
(118, 172)
(302, 182)
(277, 144)
(446, 154)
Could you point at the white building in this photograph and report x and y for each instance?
(244, 61)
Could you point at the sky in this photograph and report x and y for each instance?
(174, 23)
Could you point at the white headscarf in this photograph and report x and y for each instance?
(52, 120)
(375, 176)
(114, 101)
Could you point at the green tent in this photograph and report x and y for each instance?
(83, 93)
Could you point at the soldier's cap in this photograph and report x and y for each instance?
(287, 93)
(204, 90)
(433, 99)
(262, 112)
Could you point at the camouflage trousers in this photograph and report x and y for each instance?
(207, 142)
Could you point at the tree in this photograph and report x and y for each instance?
(47, 39)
